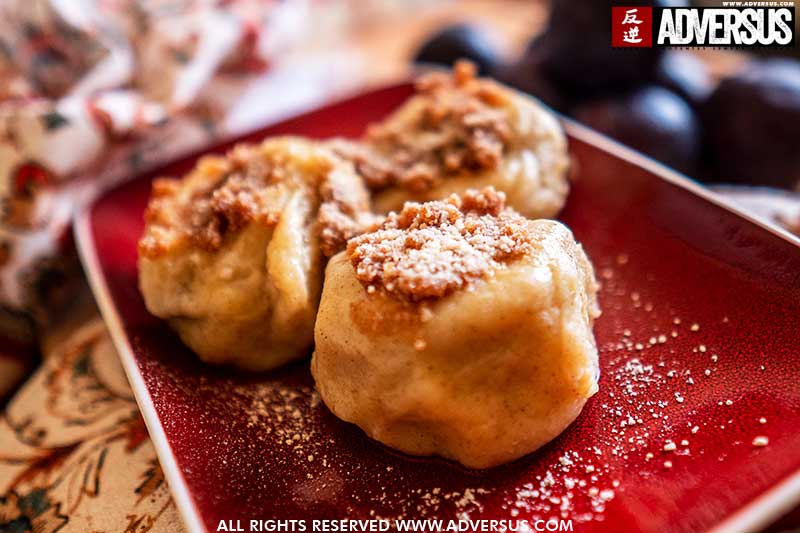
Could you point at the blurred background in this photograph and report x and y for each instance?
(93, 92)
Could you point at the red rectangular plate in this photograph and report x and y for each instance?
(699, 346)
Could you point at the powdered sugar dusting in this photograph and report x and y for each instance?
(429, 250)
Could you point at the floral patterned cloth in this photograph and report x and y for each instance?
(93, 90)
(74, 452)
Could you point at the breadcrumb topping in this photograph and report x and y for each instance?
(456, 123)
(234, 201)
(431, 249)
(341, 216)
(252, 185)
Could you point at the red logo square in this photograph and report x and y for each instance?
(631, 26)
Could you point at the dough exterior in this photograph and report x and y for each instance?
(459, 132)
(232, 256)
(482, 375)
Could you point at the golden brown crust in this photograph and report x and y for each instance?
(432, 249)
(250, 186)
(461, 126)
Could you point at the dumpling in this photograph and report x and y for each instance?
(459, 329)
(460, 132)
(233, 254)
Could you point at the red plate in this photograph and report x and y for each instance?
(699, 349)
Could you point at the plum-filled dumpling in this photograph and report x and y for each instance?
(233, 254)
(459, 132)
(459, 329)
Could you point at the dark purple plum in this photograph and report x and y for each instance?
(460, 41)
(575, 50)
(528, 77)
(752, 122)
(685, 74)
(650, 119)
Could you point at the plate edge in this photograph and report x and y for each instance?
(771, 504)
(175, 480)
(764, 508)
(607, 144)
(759, 512)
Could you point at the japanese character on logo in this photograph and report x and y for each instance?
(632, 35)
(630, 17)
(631, 26)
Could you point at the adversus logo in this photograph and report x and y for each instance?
(702, 26)
(726, 27)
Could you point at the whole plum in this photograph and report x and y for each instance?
(652, 120)
(753, 125)
(685, 74)
(575, 49)
(527, 76)
(460, 41)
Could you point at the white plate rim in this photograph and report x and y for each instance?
(91, 266)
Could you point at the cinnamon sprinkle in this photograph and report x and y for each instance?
(431, 249)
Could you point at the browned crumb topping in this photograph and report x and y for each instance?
(227, 194)
(461, 125)
(232, 202)
(340, 218)
(431, 249)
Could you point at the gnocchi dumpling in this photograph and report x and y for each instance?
(459, 132)
(459, 328)
(233, 254)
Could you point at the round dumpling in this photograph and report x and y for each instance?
(232, 255)
(460, 132)
(459, 329)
